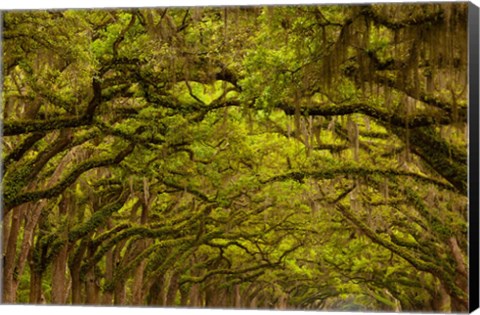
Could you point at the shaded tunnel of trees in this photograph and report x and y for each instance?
(281, 157)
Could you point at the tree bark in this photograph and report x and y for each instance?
(91, 288)
(30, 225)
(59, 279)
(137, 290)
(155, 293)
(35, 286)
(75, 265)
(137, 294)
(237, 297)
(441, 300)
(9, 294)
(172, 290)
(109, 265)
(195, 299)
(119, 293)
(461, 276)
(59, 267)
(6, 224)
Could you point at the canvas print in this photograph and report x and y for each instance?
(308, 157)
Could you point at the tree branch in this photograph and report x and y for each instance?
(13, 201)
(356, 171)
(384, 117)
(12, 128)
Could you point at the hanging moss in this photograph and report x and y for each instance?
(381, 115)
(442, 157)
(207, 218)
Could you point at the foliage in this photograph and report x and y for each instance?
(309, 157)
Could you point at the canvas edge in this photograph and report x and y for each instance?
(473, 125)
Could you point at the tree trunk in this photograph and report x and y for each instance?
(155, 293)
(76, 287)
(91, 288)
(282, 302)
(172, 290)
(215, 296)
(59, 268)
(120, 296)
(6, 223)
(109, 262)
(194, 296)
(137, 294)
(31, 221)
(441, 300)
(35, 286)
(459, 304)
(237, 298)
(75, 265)
(209, 297)
(59, 279)
(9, 292)
(462, 273)
(184, 294)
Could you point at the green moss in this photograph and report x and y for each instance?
(97, 219)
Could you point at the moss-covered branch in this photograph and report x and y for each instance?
(448, 161)
(446, 278)
(447, 107)
(18, 178)
(80, 231)
(132, 137)
(14, 200)
(98, 218)
(120, 274)
(210, 273)
(330, 173)
(431, 18)
(381, 115)
(11, 128)
(22, 148)
(188, 189)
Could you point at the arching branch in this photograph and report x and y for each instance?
(15, 200)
